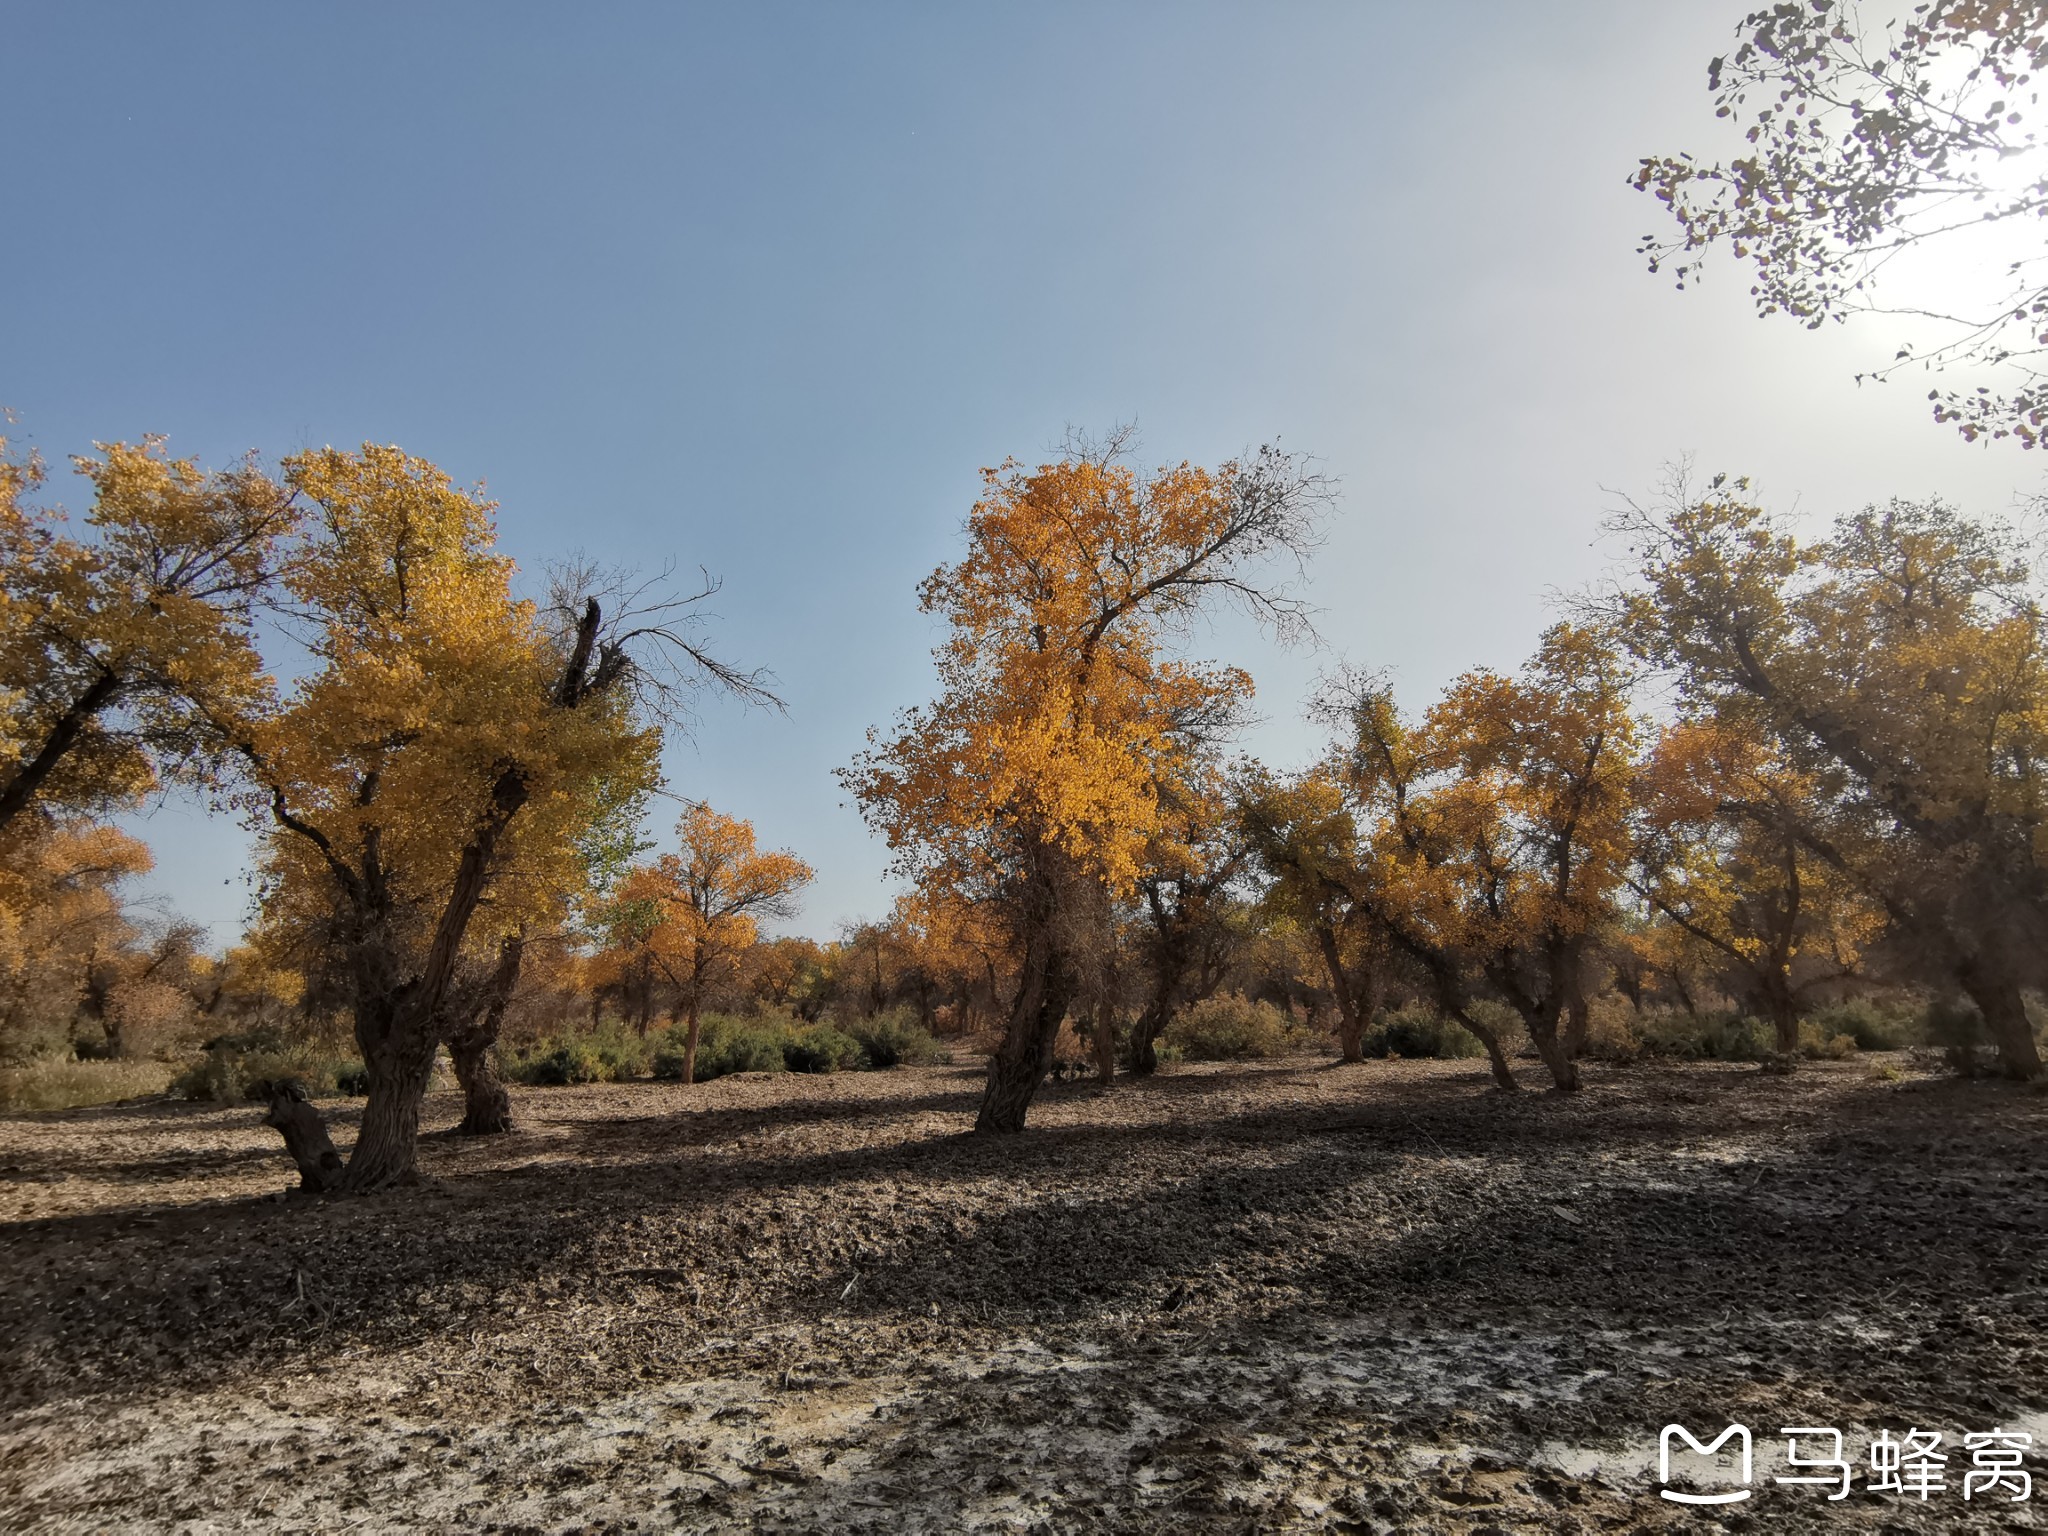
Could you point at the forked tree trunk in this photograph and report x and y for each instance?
(473, 1047)
(1542, 1025)
(1020, 1063)
(2005, 1017)
(1350, 1028)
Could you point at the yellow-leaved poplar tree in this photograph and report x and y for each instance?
(693, 914)
(115, 647)
(1726, 852)
(448, 742)
(1901, 666)
(1033, 780)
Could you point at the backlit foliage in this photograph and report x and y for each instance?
(1864, 145)
(116, 646)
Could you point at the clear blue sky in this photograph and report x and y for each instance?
(760, 287)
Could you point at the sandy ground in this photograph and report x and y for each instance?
(1284, 1297)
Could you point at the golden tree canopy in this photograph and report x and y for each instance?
(1062, 711)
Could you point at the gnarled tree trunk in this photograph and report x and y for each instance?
(1496, 1057)
(1142, 1051)
(1022, 1060)
(1998, 998)
(473, 1047)
(305, 1138)
(1782, 1009)
(398, 1063)
(1564, 1072)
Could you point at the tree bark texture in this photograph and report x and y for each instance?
(473, 1047)
(1350, 1028)
(1020, 1063)
(305, 1138)
(2005, 1017)
(1105, 1044)
(1496, 1057)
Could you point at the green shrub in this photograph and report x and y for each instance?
(555, 1064)
(211, 1078)
(232, 1068)
(1873, 1027)
(1419, 1034)
(1232, 1028)
(894, 1038)
(819, 1048)
(725, 1044)
(611, 1053)
(1707, 1037)
(1954, 1025)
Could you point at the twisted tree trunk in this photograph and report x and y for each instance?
(1496, 1057)
(305, 1138)
(1025, 1056)
(473, 1047)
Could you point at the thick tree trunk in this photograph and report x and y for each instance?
(1143, 1051)
(1496, 1057)
(1578, 1025)
(2005, 1017)
(1350, 1028)
(398, 1069)
(305, 1138)
(1782, 1009)
(1542, 1025)
(1020, 1063)
(1105, 1045)
(486, 1103)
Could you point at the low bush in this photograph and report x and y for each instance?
(1232, 1028)
(1418, 1034)
(725, 1044)
(819, 1048)
(58, 1083)
(1872, 1025)
(556, 1064)
(1706, 1037)
(894, 1038)
(234, 1068)
(1955, 1026)
(1816, 1043)
(610, 1054)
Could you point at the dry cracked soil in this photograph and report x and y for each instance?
(1282, 1297)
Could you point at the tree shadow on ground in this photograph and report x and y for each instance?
(1423, 1200)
